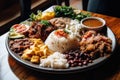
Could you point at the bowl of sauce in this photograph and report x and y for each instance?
(93, 23)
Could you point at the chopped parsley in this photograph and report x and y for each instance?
(45, 22)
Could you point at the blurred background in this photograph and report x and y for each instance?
(10, 10)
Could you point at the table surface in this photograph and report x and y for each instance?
(10, 69)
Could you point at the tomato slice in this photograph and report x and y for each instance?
(61, 33)
(20, 28)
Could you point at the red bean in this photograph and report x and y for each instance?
(85, 62)
(79, 64)
(76, 58)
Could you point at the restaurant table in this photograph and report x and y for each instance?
(10, 69)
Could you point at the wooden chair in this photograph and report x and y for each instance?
(107, 7)
(25, 8)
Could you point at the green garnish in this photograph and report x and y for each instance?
(45, 22)
(61, 11)
(65, 11)
(36, 16)
(82, 15)
(66, 31)
(32, 16)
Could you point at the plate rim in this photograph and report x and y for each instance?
(95, 63)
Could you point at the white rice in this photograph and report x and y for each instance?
(61, 44)
(56, 60)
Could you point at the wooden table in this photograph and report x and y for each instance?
(110, 70)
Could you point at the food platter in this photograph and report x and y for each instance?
(37, 67)
(63, 71)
